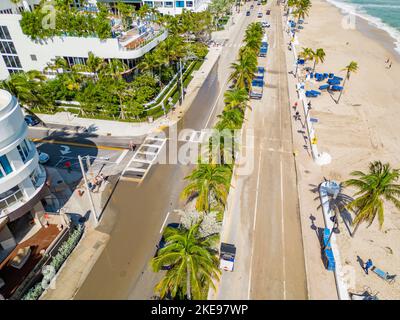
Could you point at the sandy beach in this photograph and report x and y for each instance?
(363, 127)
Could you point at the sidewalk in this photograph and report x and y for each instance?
(321, 283)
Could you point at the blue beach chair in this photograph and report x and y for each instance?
(331, 75)
(336, 88)
(333, 82)
(324, 87)
(384, 275)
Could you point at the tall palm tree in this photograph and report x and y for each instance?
(374, 187)
(149, 62)
(195, 264)
(236, 98)
(115, 68)
(318, 57)
(352, 67)
(231, 119)
(307, 53)
(208, 181)
(243, 71)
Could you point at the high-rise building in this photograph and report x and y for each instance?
(22, 178)
(20, 53)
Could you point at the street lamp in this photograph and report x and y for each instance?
(96, 219)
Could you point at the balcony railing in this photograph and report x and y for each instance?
(10, 200)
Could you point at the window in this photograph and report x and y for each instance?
(189, 4)
(4, 34)
(149, 3)
(7, 47)
(35, 175)
(180, 4)
(10, 197)
(23, 150)
(11, 71)
(169, 4)
(158, 4)
(5, 167)
(12, 62)
(33, 57)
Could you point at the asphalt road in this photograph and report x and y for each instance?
(263, 218)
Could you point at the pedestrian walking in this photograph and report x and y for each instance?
(390, 65)
(309, 104)
(132, 146)
(297, 115)
(368, 265)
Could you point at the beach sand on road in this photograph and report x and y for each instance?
(363, 127)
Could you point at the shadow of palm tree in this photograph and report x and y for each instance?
(338, 204)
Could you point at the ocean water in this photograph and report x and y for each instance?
(384, 14)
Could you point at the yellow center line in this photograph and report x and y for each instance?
(76, 144)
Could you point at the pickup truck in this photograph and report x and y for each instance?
(257, 85)
(227, 256)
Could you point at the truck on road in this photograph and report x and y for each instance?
(257, 85)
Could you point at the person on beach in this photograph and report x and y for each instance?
(390, 65)
(387, 60)
(368, 265)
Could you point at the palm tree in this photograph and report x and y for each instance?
(115, 68)
(208, 181)
(352, 67)
(374, 187)
(307, 53)
(236, 98)
(318, 57)
(302, 9)
(231, 119)
(243, 71)
(149, 62)
(195, 265)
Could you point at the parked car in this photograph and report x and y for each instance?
(247, 13)
(268, 12)
(258, 3)
(43, 157)
(31, 120)
(252, 6)
(259, 15)
(162, 243)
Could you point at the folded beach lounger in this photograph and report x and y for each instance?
(324, 87)
(311, 95)
(333, 82)
(325, 238)
(384, 275)
(315, 92)
(338, 78)
(336, 88)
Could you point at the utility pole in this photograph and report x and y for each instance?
(96, 219)
(181, 76)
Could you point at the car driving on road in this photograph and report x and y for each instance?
(162, 243)
(31, 120)
(259, 15)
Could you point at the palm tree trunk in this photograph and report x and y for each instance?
(355, 229)
(188, 291)
(315, 64)
(341, 92)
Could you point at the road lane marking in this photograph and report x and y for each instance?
(75, 144)
(283, 237)
(165, 221)
(254, 223)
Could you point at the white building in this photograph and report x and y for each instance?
(22, 179)
(176, 6)
(19, 53)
